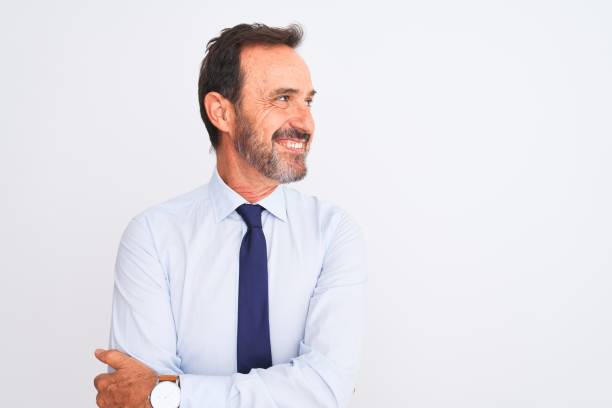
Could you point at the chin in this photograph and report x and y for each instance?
(290, 175)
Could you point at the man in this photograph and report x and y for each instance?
(243, 292)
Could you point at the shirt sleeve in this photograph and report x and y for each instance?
(325, 371)
(142, 324)
(322, 375)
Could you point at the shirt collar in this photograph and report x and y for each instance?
(225, 200)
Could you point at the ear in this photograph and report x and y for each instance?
(220, 111)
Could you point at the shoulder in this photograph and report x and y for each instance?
(176, 210)
(332, 220)
(344, 251)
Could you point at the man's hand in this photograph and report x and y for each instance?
(129, 386)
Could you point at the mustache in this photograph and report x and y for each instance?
(291, 133)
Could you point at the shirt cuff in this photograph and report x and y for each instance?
(198, 391)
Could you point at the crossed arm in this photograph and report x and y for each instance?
(322, 375)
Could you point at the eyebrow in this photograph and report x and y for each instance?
(292, 91)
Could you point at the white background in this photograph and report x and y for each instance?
(472, 140)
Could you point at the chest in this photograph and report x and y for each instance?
(203, 275)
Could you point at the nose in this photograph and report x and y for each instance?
(302, 119)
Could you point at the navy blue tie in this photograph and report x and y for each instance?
(253, 348)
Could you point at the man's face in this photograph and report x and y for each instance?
(274, 125)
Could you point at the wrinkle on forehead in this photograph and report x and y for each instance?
(268, 67)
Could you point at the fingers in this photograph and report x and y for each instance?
(105, 385)
(100, 381)
(129, 386)
(103, 401)
(100, 400)
(113, 358)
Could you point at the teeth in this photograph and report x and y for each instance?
(295, 145)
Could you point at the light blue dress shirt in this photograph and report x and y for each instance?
(175, 300)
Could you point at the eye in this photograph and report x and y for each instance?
(309, 102)
(283, 98)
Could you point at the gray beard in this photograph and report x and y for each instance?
(265, 158)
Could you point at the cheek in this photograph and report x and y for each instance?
(270, 123)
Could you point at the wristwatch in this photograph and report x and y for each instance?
(167, 392)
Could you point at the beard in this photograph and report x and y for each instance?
(283, 167)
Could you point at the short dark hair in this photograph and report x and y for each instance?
(220, 70)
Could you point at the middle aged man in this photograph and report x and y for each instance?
(243, 292)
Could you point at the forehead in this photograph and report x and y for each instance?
(269, 67)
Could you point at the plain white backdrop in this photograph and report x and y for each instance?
(472, 140)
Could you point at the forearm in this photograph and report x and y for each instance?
(309, 380)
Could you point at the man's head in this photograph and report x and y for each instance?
(255, 93)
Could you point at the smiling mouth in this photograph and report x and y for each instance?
(293, 145)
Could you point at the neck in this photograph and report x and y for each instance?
(242, 177)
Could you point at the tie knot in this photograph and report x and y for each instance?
(251, 214)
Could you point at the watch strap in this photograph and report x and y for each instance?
(173, 378)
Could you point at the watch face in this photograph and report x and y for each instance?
(166, 394)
